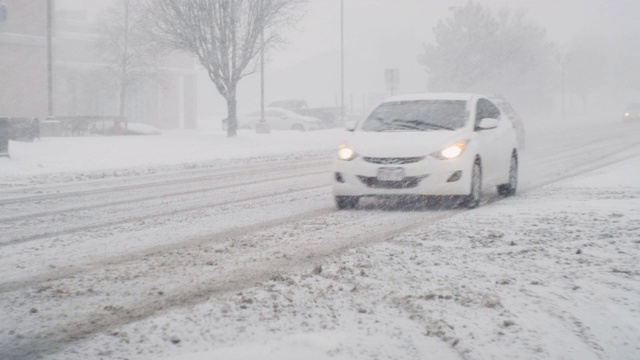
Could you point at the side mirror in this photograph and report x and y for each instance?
(350, 125)
(487, 124)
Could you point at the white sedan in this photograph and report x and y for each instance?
(278, 119)
(428, 144)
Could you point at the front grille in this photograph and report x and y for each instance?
(406, 183)
(390, 161)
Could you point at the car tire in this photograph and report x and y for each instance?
(510, 188)
(472, 201)
(297, 127)
(347, 202)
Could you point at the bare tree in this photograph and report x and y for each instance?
(224, 35)
(125, 46)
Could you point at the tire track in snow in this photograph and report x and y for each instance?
(155, 197)
(128, 220)
(247, 274)
(123, 188)
(620, 154)
(160, 250)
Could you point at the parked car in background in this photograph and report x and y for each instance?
(454, 145)
(331, 116)
(22, 129)
(278, 119)
(632, 112)
(292, 105)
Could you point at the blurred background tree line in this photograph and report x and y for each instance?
(505, 53)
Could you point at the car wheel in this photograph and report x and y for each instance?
(297, 127)
(346, 202)
(473, 199)
(510, 188)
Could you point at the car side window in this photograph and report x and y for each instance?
(486, 109)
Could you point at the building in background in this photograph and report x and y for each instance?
(23, 58)
(166, 99)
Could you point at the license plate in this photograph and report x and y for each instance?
(390, 174)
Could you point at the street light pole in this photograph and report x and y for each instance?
(564, 85)
(262, 127)
(342, 59)
(262, 76)
(49, 57)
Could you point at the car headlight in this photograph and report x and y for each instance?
(626, 114)
(452, 151)
(346, 153)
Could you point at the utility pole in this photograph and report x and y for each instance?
(50, 57)
(124, 69)
(342, 59)
(262, 76)
(262, 127)
(564, 85)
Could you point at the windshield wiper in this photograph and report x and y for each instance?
(437, 126)
(417, 125)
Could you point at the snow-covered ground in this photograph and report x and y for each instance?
(550, 274)
(231, 249)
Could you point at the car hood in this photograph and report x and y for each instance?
(403, 144)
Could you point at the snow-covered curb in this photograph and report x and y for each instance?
(82, 158)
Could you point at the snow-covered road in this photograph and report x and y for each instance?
(167, 263)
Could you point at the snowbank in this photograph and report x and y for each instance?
(178, 147)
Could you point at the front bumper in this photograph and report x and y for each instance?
(428, 176)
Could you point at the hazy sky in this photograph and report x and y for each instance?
(410, 22)
(387, 26)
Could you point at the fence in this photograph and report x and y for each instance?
(85, 125)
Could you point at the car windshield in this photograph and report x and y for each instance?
(418, 115)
